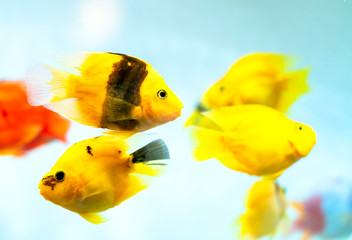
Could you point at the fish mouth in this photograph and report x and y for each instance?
(48, 181)
(175, 114)
(178, 112)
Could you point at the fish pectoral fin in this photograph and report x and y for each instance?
(118, 109)
(91, 189)
(95, 218)
(137, 183)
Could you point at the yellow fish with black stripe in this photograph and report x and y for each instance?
(253, 139)
(265, 210)
(105, 90)
(259, 78)
(98, 173)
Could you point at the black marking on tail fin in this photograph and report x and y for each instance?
(155, 150)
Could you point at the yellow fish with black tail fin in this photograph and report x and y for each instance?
(253, 139)
(105, 90)
(98, 173)
(265, 210)
(259, 78)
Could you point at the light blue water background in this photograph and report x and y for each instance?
(191, 44)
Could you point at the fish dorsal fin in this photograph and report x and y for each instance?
(72, 62)
(95, 218)
(296, 85)
(152, 159)
(155, 150)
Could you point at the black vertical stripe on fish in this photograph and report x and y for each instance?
(123, 84)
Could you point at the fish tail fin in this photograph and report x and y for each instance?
(151, 159)
(296, 85)
(61, 83)
(56, 126)
(46, 84)
(207, 143)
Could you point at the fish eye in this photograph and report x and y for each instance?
(162, 94)
(60, 176)
(222, 88)
(300, 128)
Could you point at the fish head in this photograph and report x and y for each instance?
(218, 95)
(59, 186)
(302, 139)
(159, 103)
(265, 207)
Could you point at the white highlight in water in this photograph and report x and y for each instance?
(98, 20)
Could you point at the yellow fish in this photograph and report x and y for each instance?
(105, 90)
(265, 208)
(97, 174)
(254, 139)
(259, 78)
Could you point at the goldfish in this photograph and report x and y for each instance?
(326, 213)
(259, 78)
(105, 90)
(265, 210)
(97, 174)
(253, 139)
(24, 127)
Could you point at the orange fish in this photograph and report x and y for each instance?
(24, 127)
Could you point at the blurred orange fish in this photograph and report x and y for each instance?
(24, 127)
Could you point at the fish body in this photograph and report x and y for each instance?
(253, 139)
(259, 78)
(97, 174)
(265, 208)
(326, 213)
(105, 90)
(24, 127)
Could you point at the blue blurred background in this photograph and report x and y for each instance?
(191, 44)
